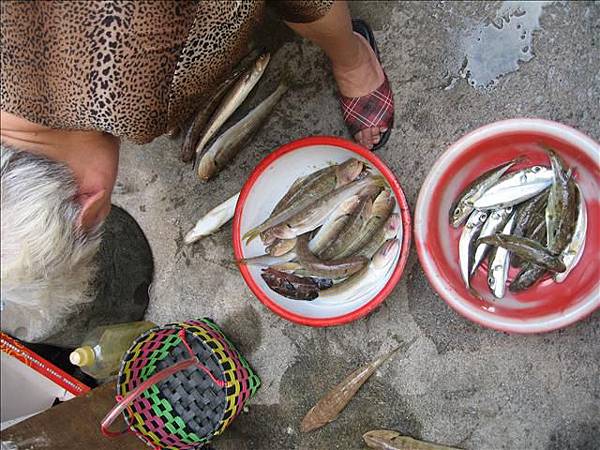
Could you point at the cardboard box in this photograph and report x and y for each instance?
(29, 383)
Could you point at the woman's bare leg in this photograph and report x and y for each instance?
(355, 66)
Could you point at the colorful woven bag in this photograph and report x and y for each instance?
(180, 385)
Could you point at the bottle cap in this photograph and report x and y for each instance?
(82, 356)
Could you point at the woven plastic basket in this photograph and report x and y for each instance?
(180, 385)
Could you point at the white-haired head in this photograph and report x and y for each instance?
(48, 262)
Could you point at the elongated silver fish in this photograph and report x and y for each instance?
(466, 244)
(194, 132)
(515, 188)
(463, 205)
(572, 254)
(213, 220)
(232, 100)
(499, 264)
(494, 223)
(228, 145)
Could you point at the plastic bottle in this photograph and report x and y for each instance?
(101, 351)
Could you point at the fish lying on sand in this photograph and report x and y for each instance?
(213, 220)
(229, 144)
(231, 101)
(332, 404)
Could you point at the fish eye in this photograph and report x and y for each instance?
(483, 218)
(456, 212)
(536, 169)
(491, 281)
(509, 209)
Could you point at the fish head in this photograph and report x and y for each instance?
(386, 253)
(262, 62)
(460, 212)
(348, 171)
(281, 231)
(384, 202)
(392, 225)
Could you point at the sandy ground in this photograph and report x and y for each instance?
(458, 384)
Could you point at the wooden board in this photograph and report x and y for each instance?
(74, 424)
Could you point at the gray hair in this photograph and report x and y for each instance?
(48, 262)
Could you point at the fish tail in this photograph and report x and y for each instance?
(249, 236)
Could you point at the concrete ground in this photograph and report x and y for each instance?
(458, 384)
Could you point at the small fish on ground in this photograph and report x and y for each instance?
(231, 101)
(229, 144)
(332, 404)
(213, 220)
(392, 440)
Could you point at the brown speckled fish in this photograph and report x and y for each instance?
(330, 406)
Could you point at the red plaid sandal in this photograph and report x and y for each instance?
(375, 109)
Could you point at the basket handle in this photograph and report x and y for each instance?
(124, 402)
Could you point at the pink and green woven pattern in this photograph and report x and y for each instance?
(187, 409)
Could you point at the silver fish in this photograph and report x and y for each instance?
(232, 100)
(229, 144)
(466, 245)
(499, 264)
(572, 254)
(463, 205)
(213, 220)
(267, 260)
(515, 188)
(494, 223)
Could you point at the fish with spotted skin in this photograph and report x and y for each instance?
(527, 249)
(334, 402)
(574, 251)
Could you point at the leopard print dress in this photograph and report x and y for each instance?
(133, 69)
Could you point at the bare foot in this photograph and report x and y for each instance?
(360, 77)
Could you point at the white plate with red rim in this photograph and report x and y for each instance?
(269, 181)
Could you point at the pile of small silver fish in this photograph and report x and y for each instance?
(211, 155)
(333, 232)
(534, 219)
